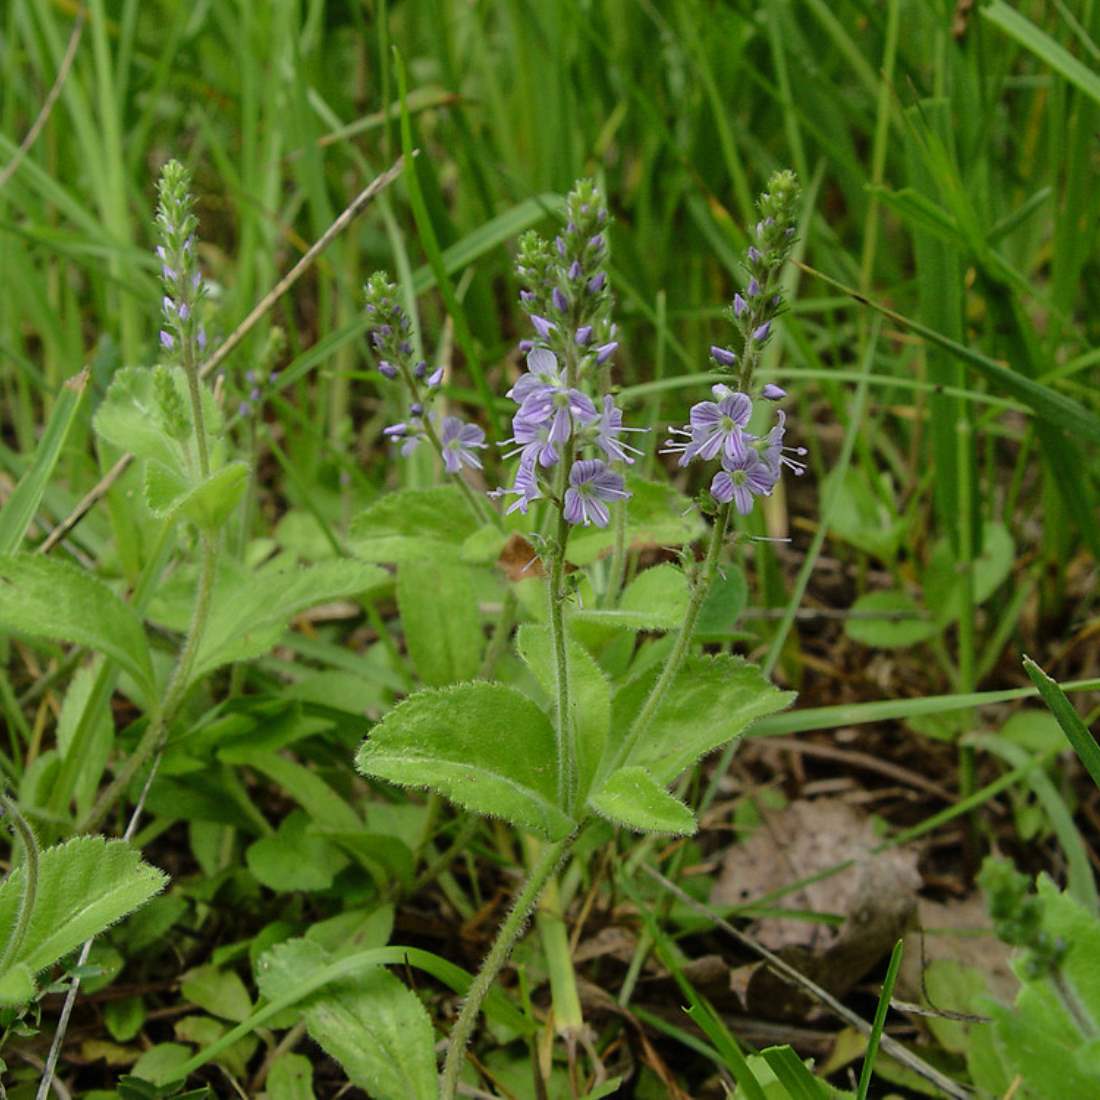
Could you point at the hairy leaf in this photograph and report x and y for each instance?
(711, 701)
(632, 797)
(250, 612)
(370, 1023)
(485, 746)
(84, 886)
(656, 599)
(131, 419)
(53, 599)
(439, 615)
(589, 693)
(414, 525)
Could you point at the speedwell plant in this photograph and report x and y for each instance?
(586, 735)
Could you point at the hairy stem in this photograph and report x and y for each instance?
(566, 748)
(699, 589)
(494, 962)
(22, 828)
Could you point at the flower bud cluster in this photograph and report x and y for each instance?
(755, 308)
(180, 276)
(751, 464)
(566, 294)
(568, 301)
(389, 335)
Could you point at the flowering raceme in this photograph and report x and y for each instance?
(454, 440)
(568, 303)
(750, 464)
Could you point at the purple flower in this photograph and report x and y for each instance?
(723, 355)
(753, 288)
(773, 392)
(387, 369)
(542, 394)
(542, 326)
(754, 254)
(592, 484)
(561, 302)
(526, 297)
(605, 351)
(575, 270)
(761, 331)
(395, 431)
(200, 338)
(458, 440)
(739, 306)
(595, 284)
(584, 334)
(741, 479)
(435, 377)
(775, 455)
(716, 428)
(166, 340)
(525, 489)
(534, 442)
(608, 428)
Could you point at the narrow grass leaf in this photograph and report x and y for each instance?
(1077, 733)
(879, 1022)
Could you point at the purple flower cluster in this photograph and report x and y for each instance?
(551, 414)
(751, 464)
(566, 297)
(390, 336)
(183, 285)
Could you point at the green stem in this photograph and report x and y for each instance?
(567, 749)
(568, 1017)
(174, 693)
(482, 513)
(494, 962)
(701, 586)
(30, 880)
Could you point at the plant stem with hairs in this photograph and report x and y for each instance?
(701, 585)
(509, 933)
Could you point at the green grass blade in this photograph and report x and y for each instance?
(879, 1022)
(1077, 733)
(19, 511)
(1038, 42)
(793, 1075)
(886, 710)
(1049, 404)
